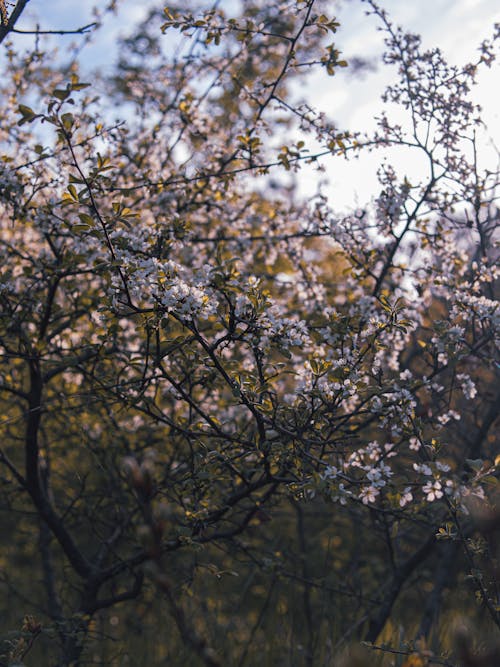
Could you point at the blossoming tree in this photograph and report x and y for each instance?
(224, 402)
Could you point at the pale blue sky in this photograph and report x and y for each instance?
(456, 26)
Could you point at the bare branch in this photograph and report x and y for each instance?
(77, 31)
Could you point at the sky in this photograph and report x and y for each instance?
(456, 26)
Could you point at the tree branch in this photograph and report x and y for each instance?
(77, 31)
(33, 482)
(379, 619)
(8, 26)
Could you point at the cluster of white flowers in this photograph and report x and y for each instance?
(368, 494)
(448, 416)
(167, 284)
(270, 325)
(415, 443)
(435, 487)
(406, 497)
(288, 331)
(330, 472)
(483, 307)
(467, 385)
(341, 494)
(371, 460)
(398, 410)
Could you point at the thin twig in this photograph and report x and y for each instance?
(77, 31)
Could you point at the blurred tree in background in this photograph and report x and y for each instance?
(238, 427)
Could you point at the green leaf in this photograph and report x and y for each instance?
(72, 191)
(86, 219)
(475, 464)
(28, 114)
(67, 120)
(80, 86)
(61, 94)
(26, 111)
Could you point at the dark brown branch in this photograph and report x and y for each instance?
(49, 576)
(441, 579)
(131, 594)
(189, 635)
(7, 27)
(378, 620)
(33, 482)
(17, 475)
(392, 651)
(95, 210)
(77, 31)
